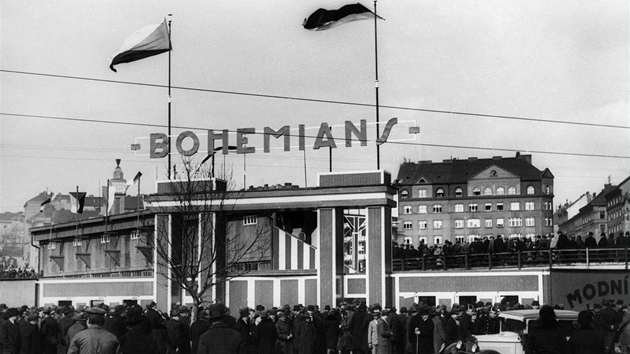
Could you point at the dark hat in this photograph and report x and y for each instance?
(79, 317)
(96, 311)
(243, 311)
(32, 317)
(218, 310)
(11, 312)
(535, 303)
(327, 307)
(273, 312)
(424, 310)
(362, 305)
(264, 314)
(260, 307)
(118, 310)
(183, 309)
(281, 314)
(47, 309)
(151, 305)
(3, 307)
(585, 318)
(67, 310)
(403, 309)
(286, 307)
(310, 308)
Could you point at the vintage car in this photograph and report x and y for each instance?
(515, 326)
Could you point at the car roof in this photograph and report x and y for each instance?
(523, 315)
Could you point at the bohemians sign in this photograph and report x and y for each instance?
(188, 143)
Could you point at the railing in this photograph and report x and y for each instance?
(517, 259)
(118, 274)
(251, 266)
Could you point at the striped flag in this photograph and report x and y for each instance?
(325, 19)
(44, 203)
(77, 201)
(133, 181)
(146, 42)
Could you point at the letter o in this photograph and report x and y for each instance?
(193, 150)
(589, 291)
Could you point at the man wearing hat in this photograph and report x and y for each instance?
(305, 334)
(115, 322)
(30, 334)
(49, 330)
(178, 333)
(355, 326)
(420, 332)
(199, 327)
(65, 322)
(152, 315)
(220, 339)
(244, 326)
(77, 327)
(266, 334)
(94, 339)
(9, 331)
(136, 341)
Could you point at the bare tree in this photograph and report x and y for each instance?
(207, 246)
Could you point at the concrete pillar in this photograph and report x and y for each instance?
(330, 269)
(379, 256)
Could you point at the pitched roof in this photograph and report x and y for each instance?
(459, 171)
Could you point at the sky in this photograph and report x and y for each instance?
(479, 78)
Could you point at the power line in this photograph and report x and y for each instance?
(392, 143)
(314, 100)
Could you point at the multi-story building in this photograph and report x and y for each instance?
(592, 217)
(460, 200)
(618, 208)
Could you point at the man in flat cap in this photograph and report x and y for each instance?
(94, 339)
(65, 322)
(50, 331)
(30, 334)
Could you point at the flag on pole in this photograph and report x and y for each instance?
(146, 42)
(111, 197)
(325, 19)
(133, 181)
(44, 203)
(77, 200)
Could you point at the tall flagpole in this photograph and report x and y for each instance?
(169, 96)
(378, 133)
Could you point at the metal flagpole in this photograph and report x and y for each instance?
(169, 96)
(378, 133)
(77, 213)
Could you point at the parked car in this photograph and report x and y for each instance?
(515, 326)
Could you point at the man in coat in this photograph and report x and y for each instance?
(220, 339)
(439, 336)
(10, 333)
(49, 330)
(266, 334)
(421, 332)
(305, 335)
(30, 335)
(65, 322)
(94, 339)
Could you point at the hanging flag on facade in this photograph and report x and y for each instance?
(77, 200)
(133, 181)
(111, 197)
(44, 203)
(325, 19)
(146, 42)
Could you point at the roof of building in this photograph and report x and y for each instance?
(460, 171)
(38, 199)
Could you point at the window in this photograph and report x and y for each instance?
(472, 238)
(488, 207)
(52, 245)
(500, 223)
(437, 240)
(422, 209)
(407, 225)
(515, 206)
(459, 208)
(500, 191)
(515, 235)
(459, 192)
(439, 193)
(407, 209)
(437, 224)
(250, 220)
(422, 240)
(404, 194)
(529, 205)
(516, 222)
(135, 235)
(423, 224)
(105, 239)
(548, 222)
(530, 190)
(487, 191)
(529, 222)
(460, 238)
(488, 222)
(499, 206)
(459, 224)
(437, 208)
(472, 223)
(407, 240)
(476, 191)
(512, 191)
(602, 215)
(422, 193)
(472, 207)
(76, 242)
(547, 190)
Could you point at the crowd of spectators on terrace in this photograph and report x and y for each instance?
(12, 272)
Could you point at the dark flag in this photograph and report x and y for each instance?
(43, 205)
(77, 200)
(324, 19)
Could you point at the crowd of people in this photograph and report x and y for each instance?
(11, 272)
(501, 247)
(350, 328)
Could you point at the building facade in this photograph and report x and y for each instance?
(459, 200)
(618, 208)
